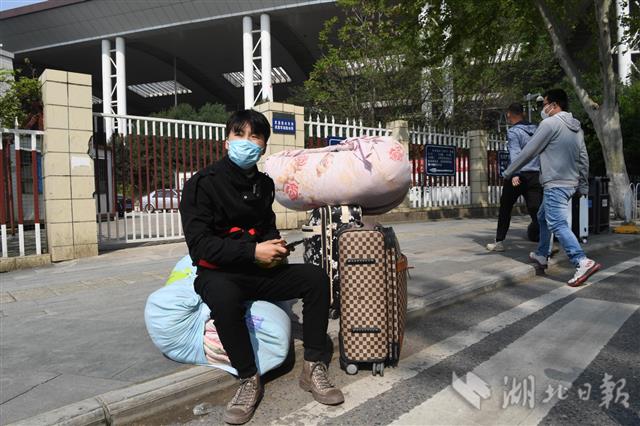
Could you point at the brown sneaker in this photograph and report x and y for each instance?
(243, 404)
(315, 379)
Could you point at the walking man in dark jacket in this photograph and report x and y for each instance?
(564, 170)
(526, 182)
(230, 229)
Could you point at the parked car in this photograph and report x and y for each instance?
(160, 199)
(123, 205)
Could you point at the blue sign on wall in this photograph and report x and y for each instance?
(503, 161)
(335, 140)
(284, 123)
(440, 160)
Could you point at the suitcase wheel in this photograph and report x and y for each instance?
(351, 369)
(333, 313)
(377, 368)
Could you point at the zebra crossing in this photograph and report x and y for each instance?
(583, 324)
(518, 384)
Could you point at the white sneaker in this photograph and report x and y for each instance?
(497, 246)
(540, 260)
(585, 269)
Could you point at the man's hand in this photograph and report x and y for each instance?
(270, 251)
(515, 181)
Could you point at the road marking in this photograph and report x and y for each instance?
(367, 388)
(553, 353)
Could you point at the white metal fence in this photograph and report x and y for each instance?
(495, 144)
(152, 157)
(141, 170)
(21, 195)
(319, 130)
(439, 191)
(426, 191)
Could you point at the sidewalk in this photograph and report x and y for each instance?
(73, 338)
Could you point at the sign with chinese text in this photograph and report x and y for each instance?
(284, 123)
(440, 160)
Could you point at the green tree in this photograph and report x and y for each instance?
(208, 113)
(21, 100)
(481, 47)
(446, 51)
(630, 119)
(379, 65)
(366, 71)
(579, 32)
(484, 86)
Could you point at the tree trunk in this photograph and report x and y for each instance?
(610, 134)
(606, 123)
(605, 117)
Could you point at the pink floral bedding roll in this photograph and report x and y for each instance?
(213, 349)
(372, 171)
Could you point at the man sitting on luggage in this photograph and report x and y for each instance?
(230, 229)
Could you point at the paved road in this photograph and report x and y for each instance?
(539, 346)
(73, 331)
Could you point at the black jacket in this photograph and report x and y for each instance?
(220, 197)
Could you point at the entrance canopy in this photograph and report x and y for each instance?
(202, 39)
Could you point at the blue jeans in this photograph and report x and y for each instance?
(553, 218)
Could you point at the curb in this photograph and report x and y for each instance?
(421, 214)
(8, 264)
(139, 401)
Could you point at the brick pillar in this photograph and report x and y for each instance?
(400, 132)
(478, 174)
(285, 218)
(68, 174)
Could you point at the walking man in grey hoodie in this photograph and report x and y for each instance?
(564, 169)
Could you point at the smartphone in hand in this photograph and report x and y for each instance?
(291, 245)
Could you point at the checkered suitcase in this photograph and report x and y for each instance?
(373, 297)
(321, 243)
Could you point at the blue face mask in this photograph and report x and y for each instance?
(244, 153)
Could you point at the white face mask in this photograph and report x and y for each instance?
(543, 113)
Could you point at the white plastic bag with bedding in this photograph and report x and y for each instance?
(179, 324)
